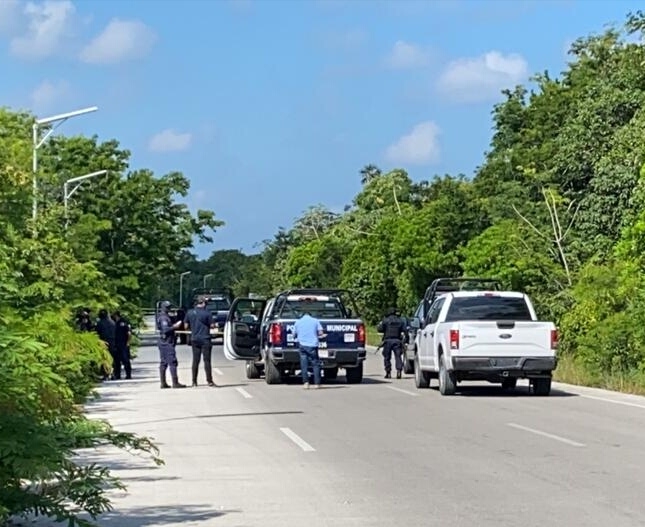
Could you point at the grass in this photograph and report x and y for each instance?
(571, 371)
(372, 336)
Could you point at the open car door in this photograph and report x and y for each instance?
(242, 329)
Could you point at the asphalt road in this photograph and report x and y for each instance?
(377, 454)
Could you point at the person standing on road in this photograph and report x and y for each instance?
(167, 352)
(308, 331)
(393, 328)
(200, 322)
(106, 330)
(123, 334)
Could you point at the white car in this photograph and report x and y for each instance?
(492, 336)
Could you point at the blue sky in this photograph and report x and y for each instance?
(271, 106)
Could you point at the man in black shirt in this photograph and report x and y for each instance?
(200, 321)
(393, 328)
(106, 330)
(122, 335)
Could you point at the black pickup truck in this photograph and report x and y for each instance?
(260, 332)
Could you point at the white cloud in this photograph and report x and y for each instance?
(121, 40)
(406, 56)
(482, 78)
(170, 141)
(47, 94)
(49, 24)
(419, 147)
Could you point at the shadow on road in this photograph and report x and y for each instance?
(163, 515)
(497, 391)
(209, 416)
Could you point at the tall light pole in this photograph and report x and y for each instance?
(38, 142)
(181, 286)
(205, 277)
(78, 180)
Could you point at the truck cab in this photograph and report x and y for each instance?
(260, 332)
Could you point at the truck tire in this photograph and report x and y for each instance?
(421, 378)
(252, 371)
(509, 384)
(354, 375)
(408, 365)
(542, 387)
(272, 373)
(447, 384)
(331, 373)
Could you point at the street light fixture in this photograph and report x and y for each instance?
(78, 180)
(38, 142)
(181, 286)
(205, 277)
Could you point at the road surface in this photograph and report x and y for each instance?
(377, 454)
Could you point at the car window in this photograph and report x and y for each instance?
(329, 309)
(435, 310)
(218, 305)
(419, 312)
(488, 307)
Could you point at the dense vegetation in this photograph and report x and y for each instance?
(557, 209)
(121, 235)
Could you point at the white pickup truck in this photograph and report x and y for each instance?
(489, 336)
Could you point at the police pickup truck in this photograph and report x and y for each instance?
(218, 302)
(260, 332)
(493, 336)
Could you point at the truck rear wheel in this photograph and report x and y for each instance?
(447, 384)
(542, 387)
(421, 378)
(252, 371)
(272, 373)
(408, 365)
(331, 373)
(354, 375)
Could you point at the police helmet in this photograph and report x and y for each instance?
(165, 306)
(391, 311)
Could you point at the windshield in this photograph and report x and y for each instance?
(488, 308)
(330, 309)
(218, 305)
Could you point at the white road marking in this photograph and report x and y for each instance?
(297, 439)
(401, 390)
(614, 401)
(244, 393)
(218, 371)
(545, 434)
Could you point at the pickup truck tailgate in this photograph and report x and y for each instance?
(341, 334)
(504, 339)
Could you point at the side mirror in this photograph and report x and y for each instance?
(415, 323)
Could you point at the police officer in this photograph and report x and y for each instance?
(122, 335)
(106, 330)
(393, 328)
(167, 353)
(200, 322)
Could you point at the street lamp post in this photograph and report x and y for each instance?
(78, 180)
(205, 277)
(38, 142)
(181, 286)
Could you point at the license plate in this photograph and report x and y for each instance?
(350, 337)
(323, 354)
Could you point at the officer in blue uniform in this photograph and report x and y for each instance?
(167, 353)
(393, 328)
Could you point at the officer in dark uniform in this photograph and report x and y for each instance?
(105, 328)
(200, 322)
(393, 328)
(167, 353)
(122, 335)
(83, 320)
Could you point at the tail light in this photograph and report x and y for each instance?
(454, 339)
(555, 339)
(361, 333)
(275, 334)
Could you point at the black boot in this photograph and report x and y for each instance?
(162, 378)
(388, 375)
(177, 384)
